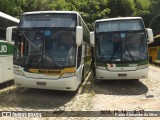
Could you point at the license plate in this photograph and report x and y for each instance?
(41, 83)
(122, 75)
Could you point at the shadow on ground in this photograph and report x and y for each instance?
(35, 98)
(119, 87)
(6, 84)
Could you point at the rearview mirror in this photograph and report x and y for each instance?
(79, 35)
(92, 38)
(150, 35)
(9, 33)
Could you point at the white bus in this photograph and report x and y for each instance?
(120, 48)
(6, 49)
(52, 50)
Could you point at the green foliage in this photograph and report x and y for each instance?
(34, 5)
(11, 7)
(92, 10)
(154, 16)
(121, 8)
(59, 5)
(155, 6)
(142, 7)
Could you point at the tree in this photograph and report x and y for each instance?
(155, 16)
(34, 5)
(142, 7)
(11, 7)
(155, 6)
(121, 8)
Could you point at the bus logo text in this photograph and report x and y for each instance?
(48, 72)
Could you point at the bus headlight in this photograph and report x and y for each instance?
(101, 67)
(142, 66)
(66, 75)
(18, 72)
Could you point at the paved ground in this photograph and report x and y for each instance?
(106, 95)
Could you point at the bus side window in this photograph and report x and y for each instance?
(80, 22)
(79, 56)
(2, 34)
(80, 47)
(22, 44)
(14, 35)
(17, 48)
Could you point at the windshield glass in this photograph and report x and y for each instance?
(122, 46)
(121, 41)
(46, 48)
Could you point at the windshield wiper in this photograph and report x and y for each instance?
(40, 60)
(29, 41)
(129, 52)
(48, 58)
(113, 54)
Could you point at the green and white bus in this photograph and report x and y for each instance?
(121, 50)
(6, 49)
(52, 50)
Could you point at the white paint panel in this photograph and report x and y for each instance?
(1, 72)
(110, 75)
(6, 68)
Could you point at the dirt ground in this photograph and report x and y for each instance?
(143, 94)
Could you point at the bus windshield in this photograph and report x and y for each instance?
(46, 41)
(127, 44)
(45, 48)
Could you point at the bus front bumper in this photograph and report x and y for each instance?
(115, 75)
(66, 84)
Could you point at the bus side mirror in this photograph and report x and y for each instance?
(92, 38)
(79, 35)
(150, 35)
(9, 34)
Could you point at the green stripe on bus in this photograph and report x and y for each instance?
(122, 64)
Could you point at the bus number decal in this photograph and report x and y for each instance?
(3, 48)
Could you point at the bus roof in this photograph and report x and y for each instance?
(3, 15)
(118, 18)
(45, 12)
